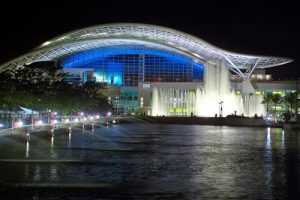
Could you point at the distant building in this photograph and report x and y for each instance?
(136, 59)
(78, 76)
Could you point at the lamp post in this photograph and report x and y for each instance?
(220, 108)
(117, 101)
(298, 100)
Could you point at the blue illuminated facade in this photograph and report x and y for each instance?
(129, 65)
(125, 66)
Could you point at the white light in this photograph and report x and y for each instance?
(19, 124)
(39, 123)
(62, 38)
(46, 43)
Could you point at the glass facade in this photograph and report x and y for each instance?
(125, 66)
(129, 65)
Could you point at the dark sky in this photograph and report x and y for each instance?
(256, 27)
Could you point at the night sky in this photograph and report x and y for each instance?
(268, 28)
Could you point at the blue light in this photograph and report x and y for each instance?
(121, 65)
(198, 71)
(115, 73)
(89, 57)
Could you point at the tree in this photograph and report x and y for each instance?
(42, 88)
(94, 98)
(291, 99)
(276, 98)
(267, 100)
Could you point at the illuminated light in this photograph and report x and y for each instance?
(62, 38)
(198, 56)
(182, 48)
(93, 34)
(53, 121)
(268, 77)
(260, 77)
(18, 124)
(46, 43)
(85, 35)
(109, 114)
(122, 34)
(238, 92)
(97, 116)
(81, 113)
(75, 120)
(28, 136)
(171, 43)
(1, 125)
(178, 110)
(66, 120)
(258, 93)
(276, 92)
(100, 54)
(38, 123)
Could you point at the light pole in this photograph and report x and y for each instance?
(117, 100)
(220, 108)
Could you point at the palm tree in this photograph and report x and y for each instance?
(276, 98)
(291, 99)
(267, 100)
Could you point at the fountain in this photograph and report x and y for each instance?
(173, 102)
(215, 98)
(217, 88)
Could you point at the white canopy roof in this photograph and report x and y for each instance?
(143, 34)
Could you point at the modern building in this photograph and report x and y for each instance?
(155, 70)
(79, 76)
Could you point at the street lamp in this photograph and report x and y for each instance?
(220, 108)
(117, 101)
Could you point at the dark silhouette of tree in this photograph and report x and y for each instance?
(43, 88)
(267, 100)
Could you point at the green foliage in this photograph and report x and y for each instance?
(291, 99)
(272, 99)
(43, 89)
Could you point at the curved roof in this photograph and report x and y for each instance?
(149, 35)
